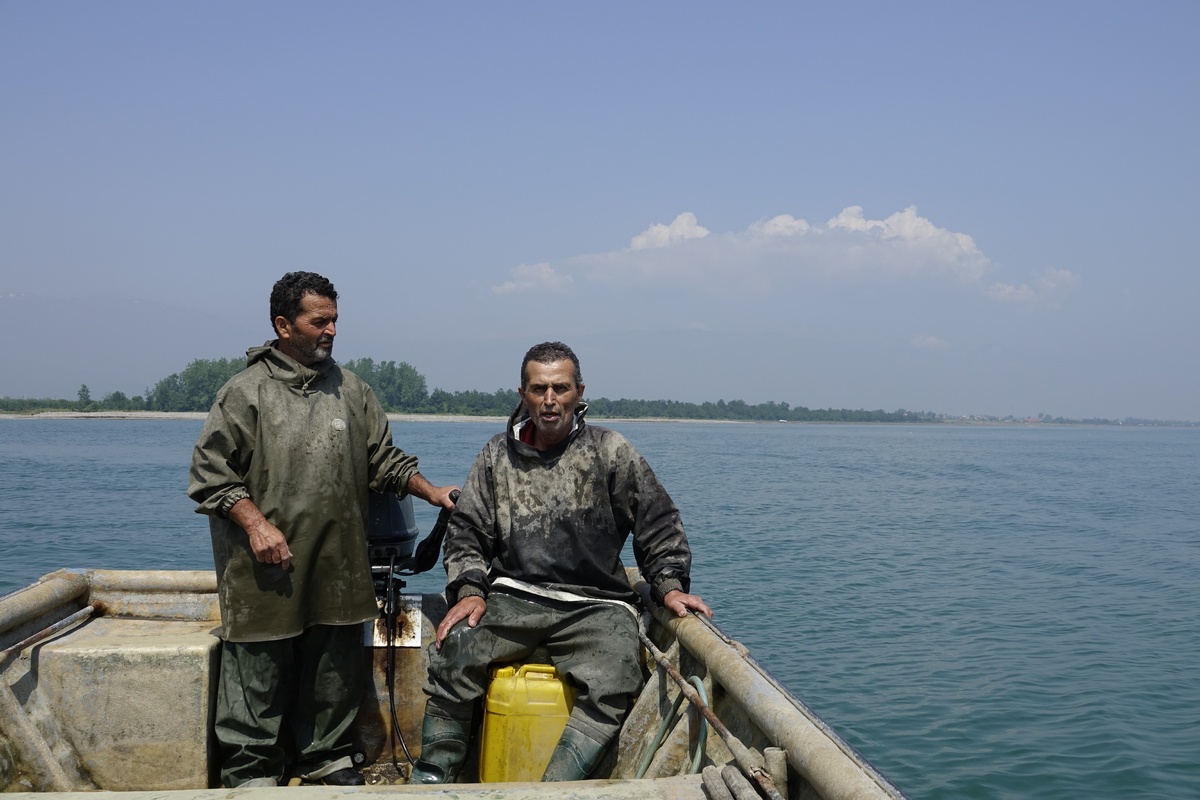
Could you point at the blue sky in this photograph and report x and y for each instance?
(953, 207)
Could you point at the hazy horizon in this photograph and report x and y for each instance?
(952, 208)
(99, 394)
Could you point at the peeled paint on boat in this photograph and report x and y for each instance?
(108, 681)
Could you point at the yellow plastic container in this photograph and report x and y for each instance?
(524, 714)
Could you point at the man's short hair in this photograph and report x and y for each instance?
(548, 353)
(291, 289)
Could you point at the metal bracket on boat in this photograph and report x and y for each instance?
(408, 624)
(21, 733)
(45, 633)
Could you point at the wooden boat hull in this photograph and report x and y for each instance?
(120, 699)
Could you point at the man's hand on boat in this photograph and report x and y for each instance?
(266, 541)
(679, 602)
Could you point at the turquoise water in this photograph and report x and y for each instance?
(984, 612)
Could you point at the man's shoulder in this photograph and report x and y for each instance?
(605, 438)
(336, 374)
(254, 374)
(499, 443)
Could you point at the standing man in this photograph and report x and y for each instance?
(282, 468)
(533, 558)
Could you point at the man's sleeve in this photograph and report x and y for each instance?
(470, 534)
(659, 542)
(390, 467)
(220, 459)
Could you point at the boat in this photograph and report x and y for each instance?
(108, 681)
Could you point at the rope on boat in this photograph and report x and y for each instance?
(741, 754)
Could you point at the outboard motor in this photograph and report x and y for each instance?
(391, 538)
(394, 554)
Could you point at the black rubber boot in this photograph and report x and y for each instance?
(443, 749)
(574, 757)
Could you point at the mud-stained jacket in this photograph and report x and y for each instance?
(304, 444)
(558, 519)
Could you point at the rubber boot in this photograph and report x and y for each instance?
(443, 749)
(574, 757)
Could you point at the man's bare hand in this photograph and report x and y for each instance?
(679, 603)
(470, 608)
(441, 496)
(267, 542)
(434, 495)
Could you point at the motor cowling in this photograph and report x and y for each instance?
(391, 532)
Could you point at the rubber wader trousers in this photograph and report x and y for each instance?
(291, 698)
(594, 646)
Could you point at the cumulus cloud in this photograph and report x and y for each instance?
(780, 251)
(535, 277)
(682, 227)
(782, 225)
(1049, 287)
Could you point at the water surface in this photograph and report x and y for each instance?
(985, 612)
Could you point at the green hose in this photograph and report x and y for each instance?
(669, 720)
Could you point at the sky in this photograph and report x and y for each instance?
(953, 207)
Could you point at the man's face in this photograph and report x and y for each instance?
(550, 395)
(310, 338)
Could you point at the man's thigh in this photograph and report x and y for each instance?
(597, 650)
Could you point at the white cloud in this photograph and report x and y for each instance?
(907, 243)
(1055, 279)
(782, 252)
(1008, 293)
(682, 227)
(782, 225)
(532, 277)
(1051, 284)
(928, 342)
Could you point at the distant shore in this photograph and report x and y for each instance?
(200, 415)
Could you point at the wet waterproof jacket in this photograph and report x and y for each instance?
(304, 444)
(559, 519)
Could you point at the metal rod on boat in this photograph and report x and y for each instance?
(741, 753)
(24, 736)
(82, 613)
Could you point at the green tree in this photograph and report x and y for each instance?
(196, 387)
(399, 387)
(117, 401)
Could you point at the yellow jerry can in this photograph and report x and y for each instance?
(524, 714)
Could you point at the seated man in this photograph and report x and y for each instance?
(533, 558)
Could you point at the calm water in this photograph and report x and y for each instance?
(984, 612)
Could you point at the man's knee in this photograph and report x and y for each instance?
(458, 642)
(458, 671)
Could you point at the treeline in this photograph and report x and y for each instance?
(741, 410)
(402, 390)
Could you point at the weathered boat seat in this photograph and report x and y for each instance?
(134, 698)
